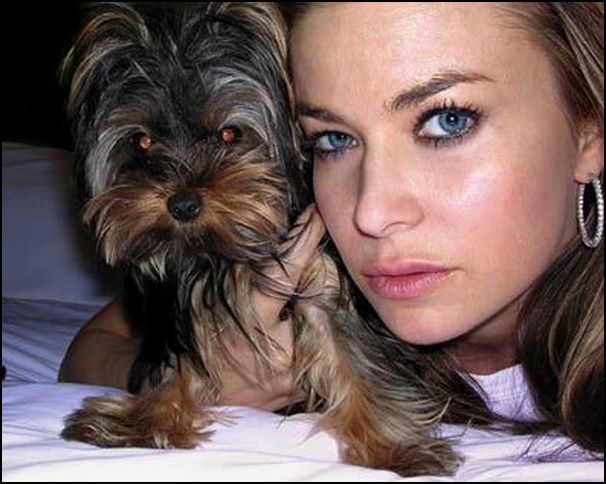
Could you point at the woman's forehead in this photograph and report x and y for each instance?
(416, 31)
(408, 43)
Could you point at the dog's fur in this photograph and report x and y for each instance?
(192, 175)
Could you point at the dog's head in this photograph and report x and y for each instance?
(184, 139)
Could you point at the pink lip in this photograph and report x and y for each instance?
(406, 280)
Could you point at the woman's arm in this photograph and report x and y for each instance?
(104, 350)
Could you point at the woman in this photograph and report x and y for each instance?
(450, 143)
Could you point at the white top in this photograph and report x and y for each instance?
(508, 394)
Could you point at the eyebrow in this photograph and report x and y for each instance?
(404, 99)
(321, 114)
(438, 83)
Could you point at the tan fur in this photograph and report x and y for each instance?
(169, 416)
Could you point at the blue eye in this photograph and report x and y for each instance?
(446, 124)
(332, 143)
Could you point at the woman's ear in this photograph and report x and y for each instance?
(590, 162)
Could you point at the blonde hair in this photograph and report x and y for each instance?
(561, 330)
(562, 322)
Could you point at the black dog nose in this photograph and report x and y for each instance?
(185, 206)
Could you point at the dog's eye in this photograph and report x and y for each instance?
(229, 135)
(143, 142)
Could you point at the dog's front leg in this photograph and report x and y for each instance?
(169, 416)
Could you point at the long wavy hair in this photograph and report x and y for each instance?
(561, 324)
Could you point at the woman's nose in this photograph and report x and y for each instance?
(388, 199)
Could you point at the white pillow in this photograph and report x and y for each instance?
(44, 255)
(36, 335)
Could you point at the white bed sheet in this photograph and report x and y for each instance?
(259, 446)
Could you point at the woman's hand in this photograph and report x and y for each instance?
(245, 381)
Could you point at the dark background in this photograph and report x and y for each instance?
(36, 37)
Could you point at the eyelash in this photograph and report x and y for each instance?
(448, 106)
(312, 141)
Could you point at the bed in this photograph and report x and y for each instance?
(51, 286)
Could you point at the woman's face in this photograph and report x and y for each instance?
(444, 166)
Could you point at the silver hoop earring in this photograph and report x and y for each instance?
(592, 242)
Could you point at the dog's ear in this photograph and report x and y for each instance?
(99, 57)
(264, 20)
(266, 24)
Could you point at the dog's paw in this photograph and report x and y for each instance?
(135, 422)
(432, 457)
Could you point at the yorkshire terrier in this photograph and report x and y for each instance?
(192, 173)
